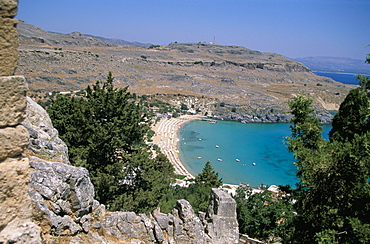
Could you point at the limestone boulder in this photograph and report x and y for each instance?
(14, 141)
(8, 8)
(189, 224)
(12, 99)
(16, 221)
(44, 138)
(62, 192)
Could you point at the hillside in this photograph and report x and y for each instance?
(116, 41)
(244, 79)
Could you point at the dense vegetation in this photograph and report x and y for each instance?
(262, 215)
(331, 203)
(105, 133)
(197, 194)
(333, 197)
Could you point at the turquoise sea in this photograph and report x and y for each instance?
(251, 153)
(240, 146)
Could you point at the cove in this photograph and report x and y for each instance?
(241, 153)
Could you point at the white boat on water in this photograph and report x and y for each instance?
(219, 159)
(217, 146)
(254, 164)
(237, 160)
(199, 157)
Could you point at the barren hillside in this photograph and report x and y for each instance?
(239, 77)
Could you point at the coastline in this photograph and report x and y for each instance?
(166, 137)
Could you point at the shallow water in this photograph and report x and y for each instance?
(250, 153)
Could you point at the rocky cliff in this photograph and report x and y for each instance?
(63, 197)
(44, 139)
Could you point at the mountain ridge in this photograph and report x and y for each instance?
(240, 77)
(117, 41)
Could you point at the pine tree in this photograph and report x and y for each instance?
(105, 134)
(208, 177)
(333, 197)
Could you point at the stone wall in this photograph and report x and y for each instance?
(16, 225)
(8, 37)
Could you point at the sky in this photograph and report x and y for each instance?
(293, 28)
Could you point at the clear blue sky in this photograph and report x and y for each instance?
(293, 28)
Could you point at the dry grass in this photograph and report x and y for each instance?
(229, 78)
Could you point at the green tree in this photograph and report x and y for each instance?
(351, 118)
(208, 177)
(184, 106)
(262, 216)
(105, 134)
(333, 197)
(197, 194)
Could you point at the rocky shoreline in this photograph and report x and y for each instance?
(324, 116)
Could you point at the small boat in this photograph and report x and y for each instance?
(199, 157)
(200, 139)
(217, 146)
(254, 164)
(237, 160)
(219, 159)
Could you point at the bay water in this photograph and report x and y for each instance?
(245, 153)
(241, 153)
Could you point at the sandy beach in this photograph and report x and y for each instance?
(166, 137)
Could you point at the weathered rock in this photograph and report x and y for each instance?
(221, 219)
(12, 99)
(8, 8)
(57, 181)
(14, 141)
(191, 224)
(64, 194)
(68, 190)
(8, 37)
(44, 140)
(15, 203)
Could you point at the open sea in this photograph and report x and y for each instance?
(343, 78)
(250, 153)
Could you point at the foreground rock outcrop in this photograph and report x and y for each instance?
(44, 138)
(16, 219)
(63, 196)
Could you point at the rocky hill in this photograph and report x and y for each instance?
(116, 41)
(34, 35)
(248, 82)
